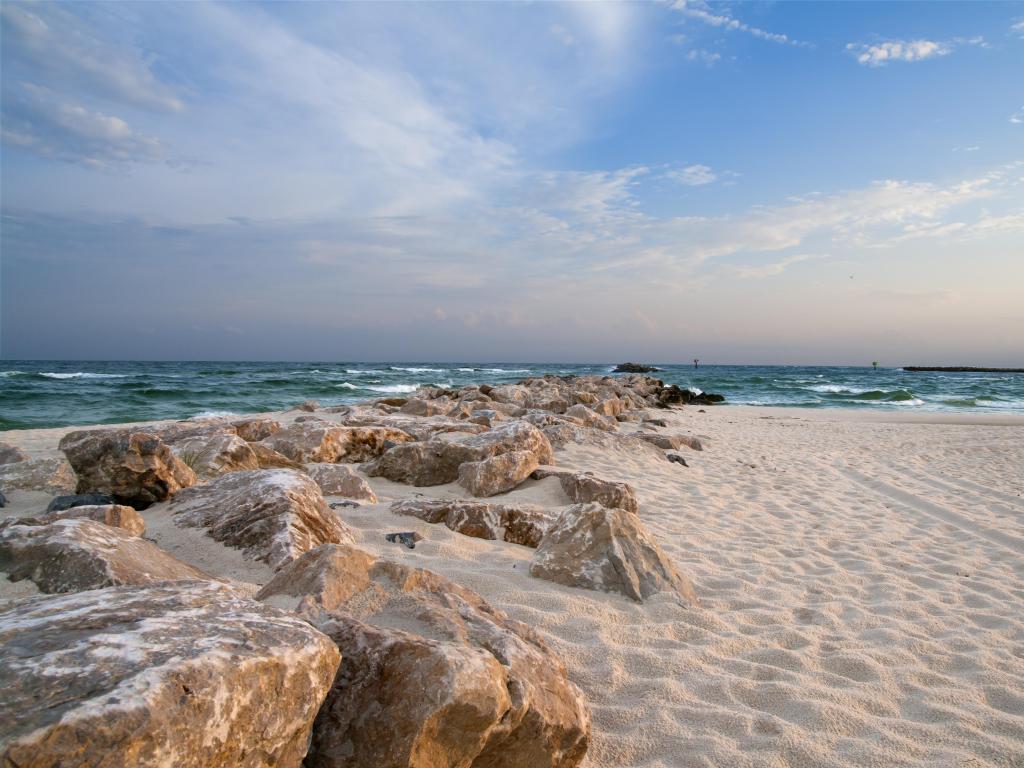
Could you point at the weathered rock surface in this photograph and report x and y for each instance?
(307, 405)
(215, 453)
(671, 442)
(115, 515)
(11, 454)
(594, 547)
(497, 474)
(634, 368)
(583, 487)
(188, 675)
(324, 442)
(256, 429)
(49, 475)
(589, 418)
(431, 675)
(268, 458)
(75, 555)
(420, 407)
(341, 480)
(274, 515)
(134, 467)
(515, 523)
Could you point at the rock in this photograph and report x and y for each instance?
(677, 459)
(655, 422)
(215, 453)
(76, 555)
(594, 547)
(497, 474)
(634, 368)
(583, 487)
(254, 430)
(115, 515)
(514, 523)
(512, 436)
(431, 674)
(610, 408)
(11, 454)
(673, 395)
(70, 501)
(671, 442)
(268, 458)
(308, 405)
(394, 402)
(512, 394)
(341, 480)
(274, 515)
(408, 538)
(325, 442)
(189, 675)
(420, 407)
(3, 500)
(485, 416)
(589, 418)
(49, 475)
(136, 468)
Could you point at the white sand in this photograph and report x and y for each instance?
(861, 578)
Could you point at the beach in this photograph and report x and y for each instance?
(860, 578)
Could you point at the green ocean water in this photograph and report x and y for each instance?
(58, 393)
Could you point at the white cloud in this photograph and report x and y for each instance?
(1017, 117)
(1018, 27)
(880, 54)
(699, 11)
(778, 267)
(705, 57)
(54, 39)
(692, 175)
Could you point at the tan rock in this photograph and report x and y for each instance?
(51, 475)
(497, 474)
(431, 674)
(594, 547)
(511, 394)
(515, 523)
(274, 515)
(256, 429)
(512, 436)
(590, 418)
(307, 405)
(671, 442)
(324, 442)
(216, 453)
(134, 467)
(420, 407)
(268, 458)
(79, 554)
(189, 675)
(115, 515)
(609, 408)
(583, 487)
(11, 454)
(341, 480)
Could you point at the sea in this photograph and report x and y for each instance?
(36, 394)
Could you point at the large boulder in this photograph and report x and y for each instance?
(268, 458)
(78, 554)
(136, 468)
(515, 523)
(11, 454)
(215, 453)
(324, 442)
(341, 480)
(189, 675)
(590, 418)
(583, 487)
(512, 436)
(274, 515)
(594, 547)
(115, 515)
(49, 475)
(420, 407)
(497, 474)
(431, 675)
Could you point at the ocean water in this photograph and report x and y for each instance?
(49, 394)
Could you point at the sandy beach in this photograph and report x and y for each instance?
(860, 576)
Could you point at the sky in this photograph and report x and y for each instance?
(791, 183)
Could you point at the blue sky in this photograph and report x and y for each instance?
(740, 182)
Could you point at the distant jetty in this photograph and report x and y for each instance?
(961, 369)
(634, 368)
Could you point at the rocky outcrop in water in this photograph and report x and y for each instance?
(188, 674)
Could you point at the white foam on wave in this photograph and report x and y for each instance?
(11, 373)
(467, 370)
(84, 375)
(418, 370)
(347, 385)
(211, 415)
(836, 389)
(398, 388)
(507, 370)
(359, 370)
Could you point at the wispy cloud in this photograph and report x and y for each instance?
(1017, 118)
(692, 175)
(1018, 27)
(880, 54)
(708, 58)
(701, 11)
(778, 267)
